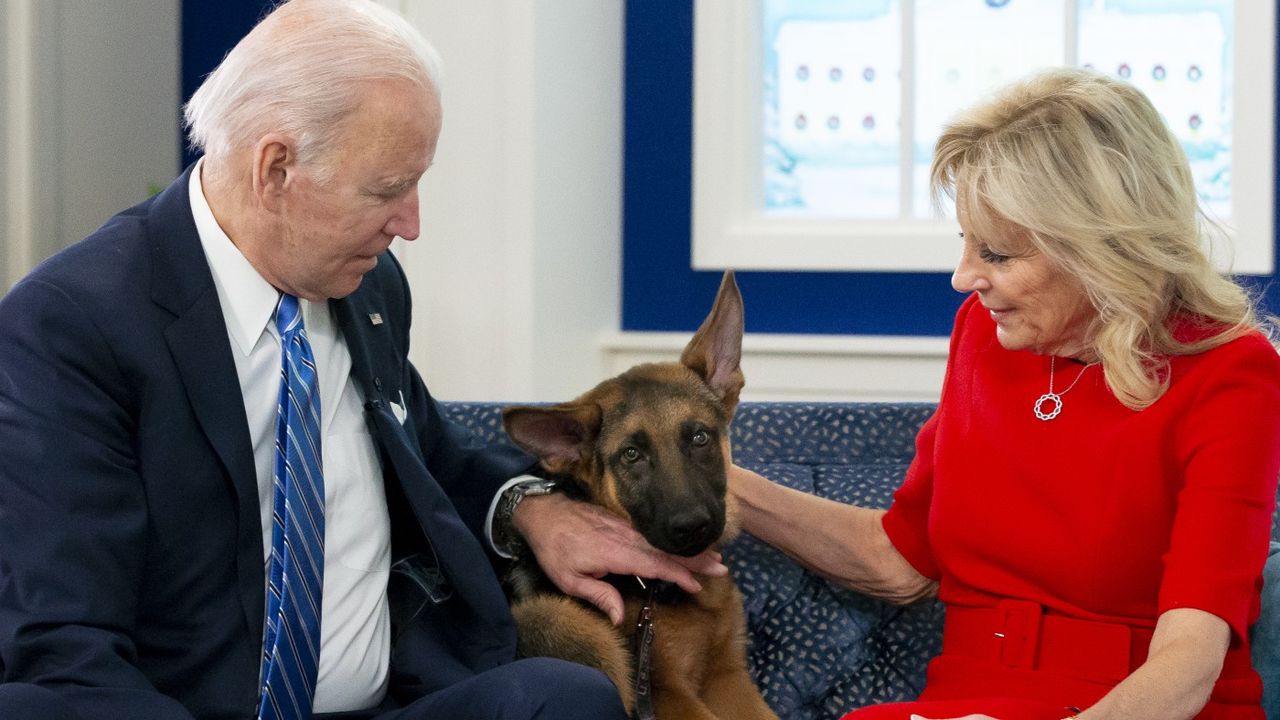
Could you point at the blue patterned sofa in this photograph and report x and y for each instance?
(818, 651)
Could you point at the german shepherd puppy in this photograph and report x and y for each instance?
(651, 446)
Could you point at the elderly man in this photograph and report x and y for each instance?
(224, 491)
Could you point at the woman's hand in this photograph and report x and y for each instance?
(577, 544)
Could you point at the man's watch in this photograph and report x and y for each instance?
(505, 537)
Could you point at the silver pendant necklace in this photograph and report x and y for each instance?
(1055, 399)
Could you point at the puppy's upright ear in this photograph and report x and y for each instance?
(715, 351)
(560, 436)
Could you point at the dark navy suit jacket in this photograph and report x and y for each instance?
(131, 558)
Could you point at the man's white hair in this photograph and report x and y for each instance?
(301, 71)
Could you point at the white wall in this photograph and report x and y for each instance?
(517, 271)
(6, 148)
(89, 118)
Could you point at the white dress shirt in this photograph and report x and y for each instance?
(355, 630)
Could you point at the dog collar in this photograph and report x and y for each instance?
(642, 649)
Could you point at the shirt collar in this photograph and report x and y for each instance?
(248, 300)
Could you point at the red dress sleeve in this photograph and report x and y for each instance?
(1230, 449)
(907, 522)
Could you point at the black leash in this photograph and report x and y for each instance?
(642, 650)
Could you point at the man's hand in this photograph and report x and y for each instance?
(577, 544)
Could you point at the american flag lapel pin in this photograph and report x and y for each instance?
(375, 318)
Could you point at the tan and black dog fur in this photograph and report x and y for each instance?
(651, 446)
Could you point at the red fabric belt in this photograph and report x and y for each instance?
(1020, 634)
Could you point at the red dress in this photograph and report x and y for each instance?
(1102, 518)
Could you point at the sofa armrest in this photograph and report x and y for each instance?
(1265, 636)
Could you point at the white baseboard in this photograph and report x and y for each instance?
(807, 367)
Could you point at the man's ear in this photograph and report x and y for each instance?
(274, 169)
(716, 349)
(560, 435)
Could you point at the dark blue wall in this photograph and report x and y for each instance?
(661, 292)
(209, 30)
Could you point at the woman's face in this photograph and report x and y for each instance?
(1036, 306)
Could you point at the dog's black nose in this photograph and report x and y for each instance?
(690, 527)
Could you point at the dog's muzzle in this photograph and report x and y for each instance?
(689, 531)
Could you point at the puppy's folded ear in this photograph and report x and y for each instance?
(715, 352)
(559, 435)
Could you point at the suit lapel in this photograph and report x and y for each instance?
(181, 283)
(378, 368)
(375, 363)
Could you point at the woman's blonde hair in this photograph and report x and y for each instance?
(1087, 167)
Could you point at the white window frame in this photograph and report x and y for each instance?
(731, 231)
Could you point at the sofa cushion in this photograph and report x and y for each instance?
(816, 650)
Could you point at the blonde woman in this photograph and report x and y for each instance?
(1092, 499)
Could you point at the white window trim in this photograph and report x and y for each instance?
(807, 368)
(730, 231)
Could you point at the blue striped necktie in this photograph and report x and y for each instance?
(291, 647)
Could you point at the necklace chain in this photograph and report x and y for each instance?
(1055, 398)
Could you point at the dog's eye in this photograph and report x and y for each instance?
(700, 438)
(630, 455)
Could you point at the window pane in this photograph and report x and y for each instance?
(831, 123)
(1178, 52)
(998, 42)
(831, 126)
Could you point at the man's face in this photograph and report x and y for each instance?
(331, 234)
